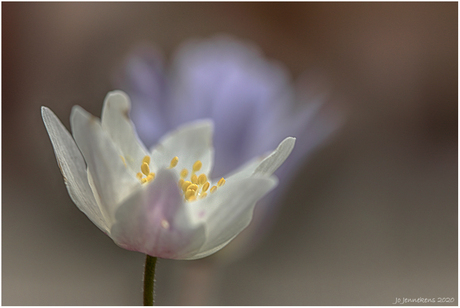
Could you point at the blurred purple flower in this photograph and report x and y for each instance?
(247, 96)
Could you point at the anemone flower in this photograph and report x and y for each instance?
(161, 202)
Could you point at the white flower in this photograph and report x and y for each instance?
(158, 202)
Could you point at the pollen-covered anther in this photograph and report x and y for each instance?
(145, 168)
(197, 166)
(198, 185)
(146, 159)
(193, 187)
(150, 177)
(221, 182)
(189, 194)
(194, 179)
(174, 162)
(185, 185)
(184, 173)
(202, 179)
(203, 195)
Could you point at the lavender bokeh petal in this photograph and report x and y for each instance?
(143, 79)
(230, 83)
(314, 126)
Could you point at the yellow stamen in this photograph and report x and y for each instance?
(197, 166)
(150, 177)
(202, 179)
(221, 182)
(146, 159)
(123, 159)
(181, 182)
(193, 187)
(203, 195)
(183, 173)
(213, 189)
(145, 168)
(174, 162)
(188, 194)
(192, 198)
(205, 187)
(194, 179)
(185, 185)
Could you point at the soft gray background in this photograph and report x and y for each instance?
(371, 217)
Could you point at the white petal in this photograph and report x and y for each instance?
(229, 210)
(264, 164)
(115, 121)
(247, 169)
(190, 142)
(73, 169)
(276, 158)
(113, 182)
(155, 221)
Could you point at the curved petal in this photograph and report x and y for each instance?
(275, 159)
(247, 169)
(189, 142)
(115, 121)
(265, 164)
(73, 169)
(113, 182)
(155, 221)
(229, 210)
(313, 125)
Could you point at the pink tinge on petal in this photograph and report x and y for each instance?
(153, 221)
(201, 214)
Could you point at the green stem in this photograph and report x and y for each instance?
(149, 280)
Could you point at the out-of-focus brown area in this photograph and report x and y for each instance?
(370, 218)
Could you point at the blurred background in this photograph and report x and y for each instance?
(371, 216)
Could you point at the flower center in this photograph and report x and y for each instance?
(196, 186)
(193, 187)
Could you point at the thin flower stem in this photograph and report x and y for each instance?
(149, 280)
